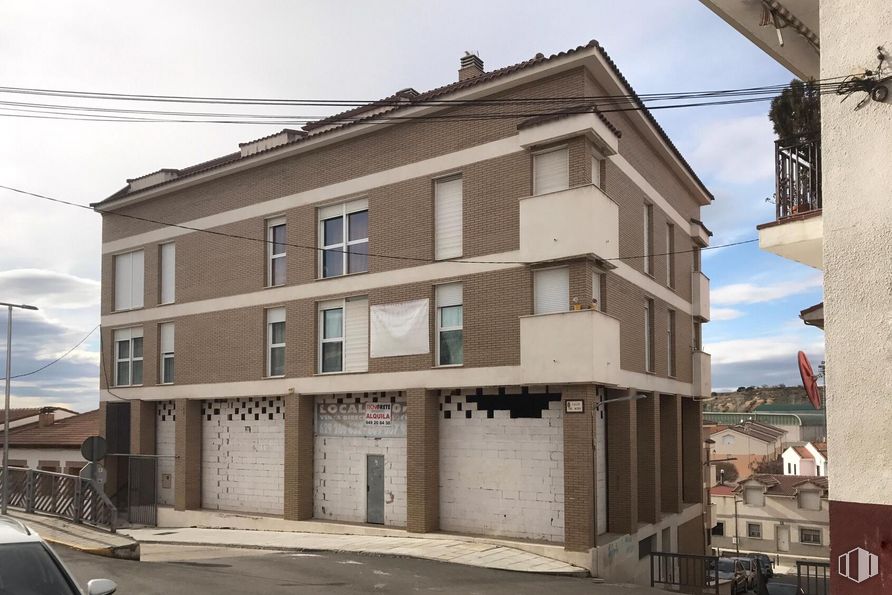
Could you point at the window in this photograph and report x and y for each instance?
(275, 342)
(129, 279)
(344, 237)
(551, 290)
(670, 255)
(128, 356)
(698, 336)
(166, 332)
(596, 171)
(789, 468)
(167, 260)
(649, 359)
(646, 546)
(754, 496)
(276, 238)
(598, 282)
(551, 170)
(719, 529)
(810, 536)
(810, 500)
(695, 257)
(670, 336)
(344, 335)
(795, 469)
(754, 530)
(818, 470)
(448, 218)
(450, 325)
(648, 238)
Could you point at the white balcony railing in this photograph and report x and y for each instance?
(575, 346)
(702, 364)
(572, 222)
(700, 294)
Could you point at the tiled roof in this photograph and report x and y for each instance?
(784, 485)
(760, 431)
(17, 414)
(722, 490)
(566, 112)
(821, 447)
(803, 452)
(409, 98)
(65, 433)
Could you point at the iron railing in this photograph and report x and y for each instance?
(688, 572)
(58, 494)
(798, 177)
(813, 577)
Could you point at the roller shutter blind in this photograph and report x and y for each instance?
(552, 290)
(356, 329)
(551, 171)
(168, 273)
(448, 218)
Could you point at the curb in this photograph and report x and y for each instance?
(123, 552)
(581, 573)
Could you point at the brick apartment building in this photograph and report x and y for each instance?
(432, 335)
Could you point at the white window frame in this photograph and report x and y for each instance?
(440, 252)
(167, 277)
(167, 355)
(129, 335)
(275, 316)
(598, 279)
(135, 290)
(648, 238)
(671, 340)
(342, 210)
(697, 334)
(749, 533)
(342, 339)
(820, 533)
(596, 170)
(271, 224)
(442, 329)
(536, 154)
(670, 255)
(649, 351)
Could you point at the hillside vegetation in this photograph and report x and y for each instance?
(749, 398)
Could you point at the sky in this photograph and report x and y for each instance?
(49, 254)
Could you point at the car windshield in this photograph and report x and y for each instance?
(28, 569)
(726, 566)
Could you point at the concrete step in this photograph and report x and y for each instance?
(80, 537)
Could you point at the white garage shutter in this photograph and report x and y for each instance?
(551, 171)
(601, 463)
(448, 217)
(356, 327)
(552, 290)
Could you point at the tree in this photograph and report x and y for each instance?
(796, 113)
(730, 470)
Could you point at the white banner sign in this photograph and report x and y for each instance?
(400, 329)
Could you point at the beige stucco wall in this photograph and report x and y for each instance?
(857, 178)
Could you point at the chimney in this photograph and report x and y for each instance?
(471, 67)
(45, 417)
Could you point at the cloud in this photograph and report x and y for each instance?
(718, 314)
(49, 288)
(752, 293)
(763, 360)
(735, 150)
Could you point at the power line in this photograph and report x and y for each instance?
(55, 361)
(336, 250)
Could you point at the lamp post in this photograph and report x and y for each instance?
(9, 307)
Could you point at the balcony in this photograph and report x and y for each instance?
(702, 364)
(574, 346)
(700, 295)
(572, 222)
(798, 231)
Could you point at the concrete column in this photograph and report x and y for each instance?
(579, 469)
(692, 451)
(670, 453)
(649, 483)
(299, 454)
(142, 427)
(187, 468)
(422, 460)
(622, 464)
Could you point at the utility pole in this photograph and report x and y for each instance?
(736, 527)
(9, 307)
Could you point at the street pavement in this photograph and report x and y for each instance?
(198, 570)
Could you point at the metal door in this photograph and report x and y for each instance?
(375, 489)
(783, 538)
(142, 491)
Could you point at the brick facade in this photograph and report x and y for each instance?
(622, 464)
(423, 461)
(187, 472)
(649, 463)
(298, 497)
(670, 453)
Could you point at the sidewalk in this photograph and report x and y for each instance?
(455, 551)
(80, 537)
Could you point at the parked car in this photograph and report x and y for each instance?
(749, 570)
(783, 589)
(765, 563)
(730, 569)
(28, 566)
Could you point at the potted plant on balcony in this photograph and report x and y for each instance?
(796, 114)
(796, 117)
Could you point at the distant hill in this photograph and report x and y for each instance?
(751, 397)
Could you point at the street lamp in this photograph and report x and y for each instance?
(9, 307)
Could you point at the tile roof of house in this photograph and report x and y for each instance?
(722, 490)
(410, 97)
(759, 431)
(802, 452)
(821, 447)
(784, 485)
(26, 412)
(69, 432)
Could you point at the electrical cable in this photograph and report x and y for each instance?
(55, 361)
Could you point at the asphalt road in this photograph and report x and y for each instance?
(191, 570)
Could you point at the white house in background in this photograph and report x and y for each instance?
(749, 444)
(52, 444)
(806, 459)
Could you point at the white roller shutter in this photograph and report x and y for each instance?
(168, 273)
(552, 290)
(137, 273)
(449, 294)
(448, 218)
(551, 171)
(356, 330)
(122, 282)
(167, 337)
(601, 465)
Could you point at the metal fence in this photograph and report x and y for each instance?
(687, 572)
(798, 177)
(813, 577)
(58, 494)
